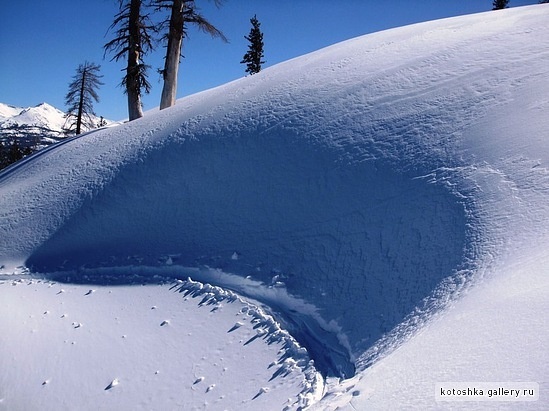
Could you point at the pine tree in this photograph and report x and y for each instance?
(133, 40)
(182, 14)
(12, 152)
(254, 55)
(500, 4)
(82, 92)
(4, 158)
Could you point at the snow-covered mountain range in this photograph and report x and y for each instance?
(35, 127)
(363, 227)
(43, 115)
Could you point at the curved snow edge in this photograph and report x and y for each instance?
(292, 355)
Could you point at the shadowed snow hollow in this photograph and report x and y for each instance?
(338, 175)
(281, 211)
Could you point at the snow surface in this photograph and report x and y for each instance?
(384, 199)
(147, 347)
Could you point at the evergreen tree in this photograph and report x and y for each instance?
(254, 55)
(182, 13)
(12, 152)
(133, 40)
(500, 4)
(4, 157)
(82, 92)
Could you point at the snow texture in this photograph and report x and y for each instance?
(120, 357)
(385, 199)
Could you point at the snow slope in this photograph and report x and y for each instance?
(182, 346)
(385, 199)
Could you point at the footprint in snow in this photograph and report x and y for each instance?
(113, 384)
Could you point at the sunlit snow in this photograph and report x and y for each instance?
(345, 229)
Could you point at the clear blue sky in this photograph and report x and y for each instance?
(43, 42)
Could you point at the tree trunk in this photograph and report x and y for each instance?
(173, 54)
(135, 108)
(81, 102)
(133, 88)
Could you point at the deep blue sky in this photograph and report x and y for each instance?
(43, 42)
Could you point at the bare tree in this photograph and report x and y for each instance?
(182, 14)
(133, 40)
(81, 95)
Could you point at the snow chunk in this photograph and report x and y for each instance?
(112, 384)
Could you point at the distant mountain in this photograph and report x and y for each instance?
(34, 127)
(7, 111)
(42, 116)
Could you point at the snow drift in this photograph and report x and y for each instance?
(300, 172)
(373, 180)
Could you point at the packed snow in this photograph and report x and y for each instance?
(348, 229)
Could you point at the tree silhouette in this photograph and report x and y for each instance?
(500, 4)
(254, 55)
(133, 40)
(10, 152)
(81, 95)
